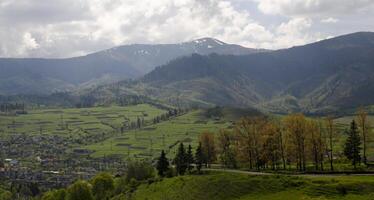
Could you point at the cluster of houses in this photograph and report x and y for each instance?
(49, 161)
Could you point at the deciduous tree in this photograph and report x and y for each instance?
(296, 128)
(208, 147)
(80, 190)
(102, 186)
(364, 126)
(330, 127)
(226, 150)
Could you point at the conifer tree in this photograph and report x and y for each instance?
(199, 157)
(162, 164)
(352, 145)
(189, 158)
(180, 160)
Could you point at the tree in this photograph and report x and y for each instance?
(6, 195)
(162, 164)
(80, 190)
(321, 143)
(296, 128)
(315, 142)
(352, 145)
(199, 157)
(180, 160)
(55, 195)
(139, 170)
(281, 145)
(363, 123)
(102, 186)
(189, 158)
(225, 145)
(331, 132)
(208, 147)
(249, 134)
(271, 146)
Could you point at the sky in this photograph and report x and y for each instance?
(66, 28)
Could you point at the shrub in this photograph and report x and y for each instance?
(139, 171)
(80, 190)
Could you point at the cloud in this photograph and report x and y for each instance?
(294, 33)
(73, 27)
(329, 20)
(312, 7)
(64, 28)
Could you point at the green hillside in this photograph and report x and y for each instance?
(231, 186)
(332, 75)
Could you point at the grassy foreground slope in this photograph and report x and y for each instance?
(230, 186)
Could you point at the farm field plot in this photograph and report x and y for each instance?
(75, 122)
(149, 141)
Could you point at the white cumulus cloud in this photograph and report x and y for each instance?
(330, 20)
(312, 7)
(64, 28)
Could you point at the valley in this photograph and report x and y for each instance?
(196, 120)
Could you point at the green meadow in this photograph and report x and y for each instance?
(235, 186)
(150, 140)
(74, 122)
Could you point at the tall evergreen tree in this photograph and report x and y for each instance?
(162, 164)
(199, 157)
(189, 158)
(180, 160)
(352, 145)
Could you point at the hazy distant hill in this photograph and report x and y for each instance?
(42, 76)
(332, 74)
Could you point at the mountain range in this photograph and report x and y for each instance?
(329, 75)
(44, 76)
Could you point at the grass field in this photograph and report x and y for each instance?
(98, 118)
(142, 143)
(149, 141)
(230, 186)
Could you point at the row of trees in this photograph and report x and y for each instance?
(183, 161)
(293, 142)
(12, 107)
(99, 188)
(186, 160)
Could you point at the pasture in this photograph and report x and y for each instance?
(150, 140)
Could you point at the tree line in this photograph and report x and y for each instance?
(293, 142)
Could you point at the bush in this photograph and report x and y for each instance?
(342, 190)
(139, 171)
(55, 195)
(102, 186)
(171, 172)
(80, 190)
(6, 195)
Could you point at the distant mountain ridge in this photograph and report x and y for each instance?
(43, 76)
(332, 74)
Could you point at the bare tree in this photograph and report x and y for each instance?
(363, 123)
(330, 127)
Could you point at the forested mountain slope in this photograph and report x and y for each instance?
(332, 74)
(43, 76)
